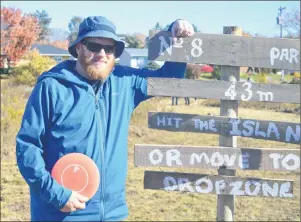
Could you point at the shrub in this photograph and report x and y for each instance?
(261, 78)
(27, 74)
(152, 66)
(193, 71)
(297, 75)
(296, 78)
(295, 81)
(217, 72)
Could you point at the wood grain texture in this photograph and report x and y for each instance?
(222, 49)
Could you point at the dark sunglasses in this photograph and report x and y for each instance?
(96, 47)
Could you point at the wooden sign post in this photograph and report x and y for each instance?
(225, 203)
(230, 52)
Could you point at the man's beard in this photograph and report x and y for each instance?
(93, 72)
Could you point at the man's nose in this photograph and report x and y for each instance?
(102, 53)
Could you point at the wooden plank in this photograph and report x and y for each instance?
(224, 49)
(225, 90)
(211, 184)
(257, 129)
(212, 157)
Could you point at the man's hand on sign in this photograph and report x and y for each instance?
(180, 29)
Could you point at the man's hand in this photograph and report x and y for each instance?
(75, 202)
(181, 28)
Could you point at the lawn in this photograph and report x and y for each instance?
(146, 205)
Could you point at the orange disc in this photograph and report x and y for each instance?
(77, 172)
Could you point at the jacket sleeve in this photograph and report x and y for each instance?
(168, 70)
(29, 147)
(139, 84)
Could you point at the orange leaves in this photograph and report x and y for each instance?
(18, 32)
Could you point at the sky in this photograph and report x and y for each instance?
(256, 17)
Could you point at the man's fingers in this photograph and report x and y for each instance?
(173, 31)
(69, 208)
(174, 40)
(80, 202)
(79, 205)
(64, 210)
(177, 31)
(185, 28)
(81, 198)
(73, 208)
(180, 28)
(190, 30)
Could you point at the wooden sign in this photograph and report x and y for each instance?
(229, 50)
(258, 129)
(225, 90)
(210, 184)
(214, 157)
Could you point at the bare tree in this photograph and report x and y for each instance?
(291, 23)
(74, 28)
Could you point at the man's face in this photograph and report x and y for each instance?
(97, 65)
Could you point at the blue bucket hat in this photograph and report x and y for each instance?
(97, 26)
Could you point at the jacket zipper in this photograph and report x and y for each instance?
(102, 109)
(102, 177)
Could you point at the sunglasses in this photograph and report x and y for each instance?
(96, 47)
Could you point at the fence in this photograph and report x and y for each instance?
(231, 52)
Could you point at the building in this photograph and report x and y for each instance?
(133, 57)
(136, 58)
(57, 54)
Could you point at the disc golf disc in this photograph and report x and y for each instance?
(77, 172)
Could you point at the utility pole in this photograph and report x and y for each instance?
(280, 19)
(280, 22)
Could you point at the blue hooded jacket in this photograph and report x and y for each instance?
(64, 115)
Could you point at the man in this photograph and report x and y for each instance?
(85, 106)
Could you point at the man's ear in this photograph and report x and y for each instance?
(77, 48)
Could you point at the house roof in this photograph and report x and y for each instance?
(136, 51)
(50, 50)
(121, 35)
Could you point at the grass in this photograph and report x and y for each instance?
(257, 78)
(152, 204)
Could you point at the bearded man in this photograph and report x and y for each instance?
(85, 106)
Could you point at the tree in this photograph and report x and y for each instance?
(44, 21)
(134, 42)
(157, 26)
(74, 28)
(146, 42)
(166, 28)
(195, 28)
(18, 33)
(141, 38)
(291, 23)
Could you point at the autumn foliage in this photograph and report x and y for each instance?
(18, 33)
